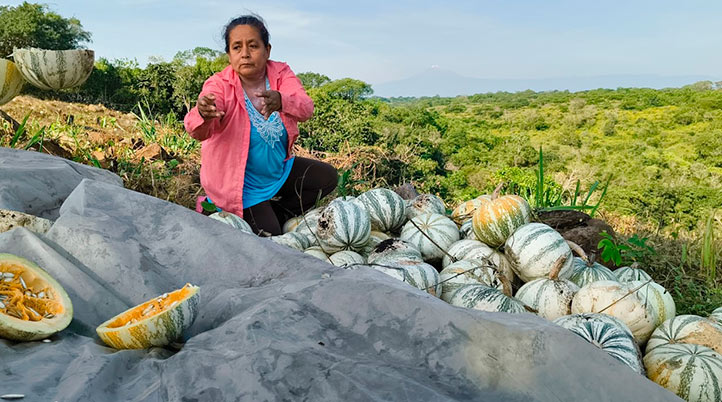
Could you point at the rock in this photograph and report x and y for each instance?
(407, 191)
(578, 227)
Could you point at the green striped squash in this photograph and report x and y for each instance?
(391, 250)
(533, 249)
(374, 239)
(293, 240)
(716, 315)
(343, 225)
(475, 250)
(417, 274)
(484, 298)
(317, 252)
(425, 204)
(55, 69)
(465, 211)
(11, 82)
(466, 272)
(608, 334)
(656, 295)
(309, 225)
(495, 220)
(466, 230)
(439, 229)
(614, 298)
(690, 329)
(693, 372)
(551, 297)
(345, 258)
(387, 210)
(633, 273)
(232, 220)
(157, 322)
(585, 272)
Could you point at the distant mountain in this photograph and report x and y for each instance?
(435, 81)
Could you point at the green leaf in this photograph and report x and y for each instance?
(208, 207)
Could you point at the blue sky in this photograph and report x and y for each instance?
(379, 41)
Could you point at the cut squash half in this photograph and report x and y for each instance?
(33, 305)
(157, 322)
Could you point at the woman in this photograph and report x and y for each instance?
(247, 119)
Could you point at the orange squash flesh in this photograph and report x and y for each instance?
(152, 307)
(20, 294)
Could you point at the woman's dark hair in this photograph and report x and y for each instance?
(253, 20)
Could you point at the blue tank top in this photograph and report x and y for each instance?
(266, 170)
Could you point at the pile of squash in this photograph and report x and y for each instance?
(475, 256)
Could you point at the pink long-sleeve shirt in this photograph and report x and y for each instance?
(225, 142)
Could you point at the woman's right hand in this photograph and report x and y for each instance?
(207, 107)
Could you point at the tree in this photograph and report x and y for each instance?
(313, 80)
(33, 25)
(346, 88)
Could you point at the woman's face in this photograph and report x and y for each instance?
(247, 53)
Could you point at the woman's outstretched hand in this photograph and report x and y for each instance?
(207, 107)
(270, 101)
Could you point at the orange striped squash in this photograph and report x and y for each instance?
(466, 210)
(495, 220)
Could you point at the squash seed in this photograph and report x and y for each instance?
(41, 295)
(2, 305)
(8, 275)
(7, 280)
(12, 396)
(22, 282)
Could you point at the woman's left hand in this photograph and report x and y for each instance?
(270, 101)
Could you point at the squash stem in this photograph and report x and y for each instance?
(554, 274)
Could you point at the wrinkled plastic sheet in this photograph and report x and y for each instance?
(37, 183)
(275, 324)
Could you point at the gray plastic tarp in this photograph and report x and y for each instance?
(274, 324)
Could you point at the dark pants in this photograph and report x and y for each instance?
(309, 181)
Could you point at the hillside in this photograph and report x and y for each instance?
(660, 148)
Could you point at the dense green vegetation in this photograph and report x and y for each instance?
(660, 149)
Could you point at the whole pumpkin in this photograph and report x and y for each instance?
(618, 300)
(495, 220)
(533, 249)
(343, 225)
(690, 329)
(585, 270)
(386, 209)
(607, 333)
(431, 234)
(466, 272)
(550, 297)
(465, 211)
(693, 372)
